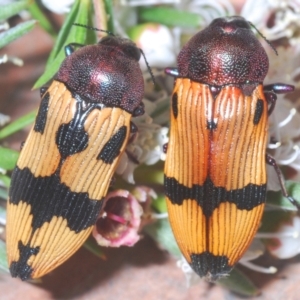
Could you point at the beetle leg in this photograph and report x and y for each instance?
(131, 157)
(133, 127)
(112, 181)
(271, 99)
(272, 162)
(271, 90)
(139, 111)
(22, 145)
(172, 72)
(43, 90)
(279, 88)
(165, 148)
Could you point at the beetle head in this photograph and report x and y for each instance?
(226, 52)
(107, 73)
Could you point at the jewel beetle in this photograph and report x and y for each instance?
(215, 170)
(68, 160)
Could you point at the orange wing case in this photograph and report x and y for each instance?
(215, 173)
(67, 162)
(215, 178)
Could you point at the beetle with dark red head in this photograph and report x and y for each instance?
(215, 171)
(67, 162)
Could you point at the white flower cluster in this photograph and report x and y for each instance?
(285, 17)
(58, 6)
(285, 120)
(146, 147)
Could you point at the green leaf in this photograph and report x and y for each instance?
(239, 283)
(159, 204)
(3, 193)
(162, 233)
(152, 174)
(109, 13)
(6, 180)
(277, 199)
(8, 158)
(12, 9)
(272, 219)
(80, 13)
(17, 125)
(3, 257)
(12, 34)
(170, 16)
(39, 15)
(94, 248)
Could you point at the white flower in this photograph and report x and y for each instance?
(157, 42)
(146, 148)
(7, 58)
(191, 277)
(284, 67)
(255, 250)
(209, 10)
(4, 119)
(4, 26)
(285, 120)
(58, 6)
(285, 242)
(262, 9)
(15, 60)
(285, 17)
(119, 223)
(2, 219)
(144, 194)
(285, 130)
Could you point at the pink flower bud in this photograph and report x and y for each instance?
(120, 220)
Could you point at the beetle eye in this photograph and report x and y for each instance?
(132, 51)
(109, 40)
(127, 46)
(216, 21)
(242, 24)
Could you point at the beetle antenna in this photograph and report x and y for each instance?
(148, 67)
(94, 28)
(267, 41)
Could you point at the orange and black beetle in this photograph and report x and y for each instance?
(215, 171)
(67, 162)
